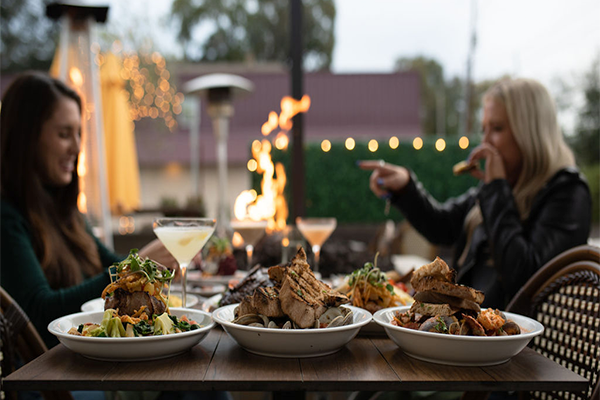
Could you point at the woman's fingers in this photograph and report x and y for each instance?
(494, 164)
(371, 164)
(385, 177)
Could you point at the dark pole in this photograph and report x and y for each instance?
(297, 92)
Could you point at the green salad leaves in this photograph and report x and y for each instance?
(113, 326)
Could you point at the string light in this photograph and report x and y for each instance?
(394, 142)
(418, 143)
(149, 91)
(350, 143)
(463, 142)
(373, 145)
(325, 145)
(440, 144)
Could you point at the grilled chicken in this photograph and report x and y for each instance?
(303, 297)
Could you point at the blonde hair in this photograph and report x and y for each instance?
(532, 118)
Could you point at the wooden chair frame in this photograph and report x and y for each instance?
(22, 340)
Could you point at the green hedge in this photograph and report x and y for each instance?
(336, 187)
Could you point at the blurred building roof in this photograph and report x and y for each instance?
(361, 106)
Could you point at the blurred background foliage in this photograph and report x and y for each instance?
(242, 32)
(252, 31)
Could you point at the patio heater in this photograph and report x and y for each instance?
(219, 90)
(77, 67)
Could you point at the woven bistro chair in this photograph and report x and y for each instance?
(564, 295)
(19, 338)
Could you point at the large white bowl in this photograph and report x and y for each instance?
(455, 349)
(130, 349)
(97, 304)
(291, 343)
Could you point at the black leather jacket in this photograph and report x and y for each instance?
(505, 251)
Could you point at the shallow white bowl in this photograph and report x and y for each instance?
(455, 349)
(130, 349)
(291, 343)
(97, 304)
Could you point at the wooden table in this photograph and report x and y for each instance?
(218, 363)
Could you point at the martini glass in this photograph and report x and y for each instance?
(251, 231)
(316, 231)
(184, 238)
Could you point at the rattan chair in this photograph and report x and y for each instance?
(20, 339)
(564, 295)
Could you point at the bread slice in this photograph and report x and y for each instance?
(463, 167)
(437, 269)
(447, 288)
(432, 297)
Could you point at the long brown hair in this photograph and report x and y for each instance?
(64, 249)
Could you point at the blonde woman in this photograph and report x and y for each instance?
(531, 205)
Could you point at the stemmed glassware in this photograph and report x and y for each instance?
(184, 238)
(316, 231)
(251, 231)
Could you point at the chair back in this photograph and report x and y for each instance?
(20, 339)
(564, 295)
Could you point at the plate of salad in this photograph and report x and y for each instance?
(106, 336)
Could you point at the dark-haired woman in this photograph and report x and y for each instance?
(51, 263)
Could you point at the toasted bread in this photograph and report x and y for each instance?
(431, 297)
(447, 288)
(463, 167)
(437, 269)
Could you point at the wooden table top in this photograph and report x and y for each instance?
(218, 363)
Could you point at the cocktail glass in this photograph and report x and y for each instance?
(316, 231)
(251, 231)
(184, 238)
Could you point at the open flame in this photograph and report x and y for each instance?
(271, 204)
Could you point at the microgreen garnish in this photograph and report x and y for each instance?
(151, 269)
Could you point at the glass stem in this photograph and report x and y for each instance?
(317, 252)
(249, 253)
(183, 269)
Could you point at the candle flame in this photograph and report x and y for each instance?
(237, 240)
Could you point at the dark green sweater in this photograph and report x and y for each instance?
(22, 277)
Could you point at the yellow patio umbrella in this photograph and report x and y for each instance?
(123, 174)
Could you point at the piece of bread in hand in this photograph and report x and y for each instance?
(463, 167)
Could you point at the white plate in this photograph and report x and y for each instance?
(130, 349)
(455, 349)
(196, 276)
(98, 304)
(291, 343)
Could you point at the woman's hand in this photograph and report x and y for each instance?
(385, 177)
(156, 251)
(494, 165)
